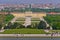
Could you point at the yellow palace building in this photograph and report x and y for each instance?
(29, 14)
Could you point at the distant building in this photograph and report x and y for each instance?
(53, 13)
(36, 6)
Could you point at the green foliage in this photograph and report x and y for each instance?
(20, 19)
(24, 31)
(34, 25)
(35, 19)
(30, 9)
(0, 26)
(18, 25)
(29, 26)
(14, 26)
(56, 25)
(52, 18)
(8, 18)
(42, 25)
(5, 18)
(45, 10)
(2, 22)
(54, 21)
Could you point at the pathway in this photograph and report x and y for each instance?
(29, 35)
(27, 21)
(14, 19)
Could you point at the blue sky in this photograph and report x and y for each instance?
(28, 1)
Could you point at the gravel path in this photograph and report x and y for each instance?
(29, 35)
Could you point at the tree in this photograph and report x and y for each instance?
(56, 26)
(9, 26)
(0, 26)
(2, 20)
(42, 25)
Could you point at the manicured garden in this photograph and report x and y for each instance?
(36, 27)
(34, 22)
(5, 19)
(54, 21)
(8, 18)
(23, 31)
(20, 19)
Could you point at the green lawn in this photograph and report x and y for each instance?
(24, 31)
(54, 21)
(35, 19)
(20, 19)
(32, 19)
(52, 18)
(5, 18)
(8, 18)
(55, 31)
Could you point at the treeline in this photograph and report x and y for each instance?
(16, 25)
(45, 10)
(31, 9)
(54, 21)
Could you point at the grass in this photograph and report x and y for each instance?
(23, 31)
(8, 18)
(55, 31)
(32, 19)
(35, 19)
(20, 19)
(54, 21)
(52, 18)
(5, 18)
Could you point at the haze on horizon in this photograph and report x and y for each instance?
(29, 1)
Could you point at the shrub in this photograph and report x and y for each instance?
(14, 26)
(42, 25)
(29, 26)
(56, 26)
(9, 25)
(0, 26)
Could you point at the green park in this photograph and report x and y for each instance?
(37, 26)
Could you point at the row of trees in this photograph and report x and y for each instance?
(54, 21)
(30, 9)
(41, 25)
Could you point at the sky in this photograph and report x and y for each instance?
(29, 1)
